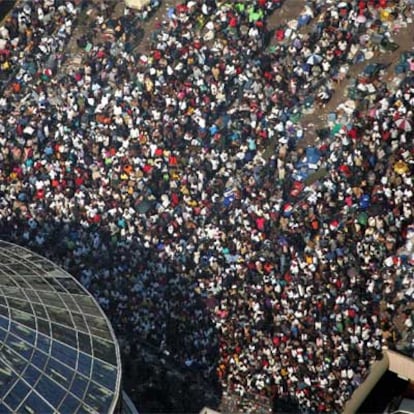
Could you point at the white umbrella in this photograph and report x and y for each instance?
(137, 4)
(28, 130)
(361, 19)
(314, 59)
(342, 5)
(404, 124)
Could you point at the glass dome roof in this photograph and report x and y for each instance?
(58, 352)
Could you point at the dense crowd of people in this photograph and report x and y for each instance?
(148, 177)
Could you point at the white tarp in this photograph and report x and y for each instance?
(137, 4)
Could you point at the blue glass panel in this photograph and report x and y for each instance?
(17, 395)
(71, 286)
(7, 379)
(84, 410)
(69, 301)
(4, 409)
(36, 404)
(104, 350)
(19, 346)
(60, 315)
(12, 402)
(97, 325)
(3, 335)
(13, 292)
(49, 390)
(43, 327)
(21, 269)
(104, 374)
(7, 281)
(84, 343)
(23, 318)
(86, 304)
(39, 359)
(56, 285)
(84, 365)
(4, 322)
(31, 375)
(59, 372)
(26, 334)
(80, 322)
(40, 310)
(69, 405)
(97, 398)
(14, 329)
(15, 360)
(20, 304)
(43, 342)
(79, 386)
(64, 354)
(50, 298)
(17, 329)
(4, 312)
(64, 334)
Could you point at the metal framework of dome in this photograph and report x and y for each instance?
(58, 352)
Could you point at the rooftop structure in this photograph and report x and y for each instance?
(394, 362)
(57, 348)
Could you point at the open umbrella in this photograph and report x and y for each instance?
(287, 209)
(342, 5)
(334, 225)
(313, 155)
(137, 4)
(28, 130)
(143, 206)
(255, 15)
(345, 170)
(314, 59)
(363, 218)
(361, 19)
(336, 128)
(181, 8)
(400, 167)
(364, 201)
(297, 43)
(171, 13)
(297, 187)
(404, 124)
